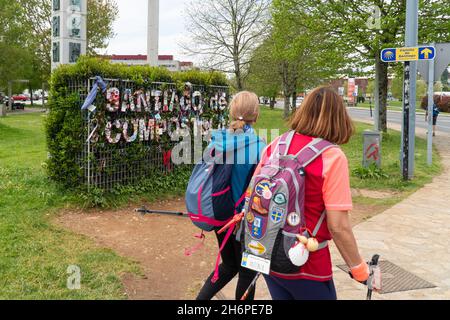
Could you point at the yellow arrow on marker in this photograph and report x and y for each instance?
(426, 52)
(257, 247)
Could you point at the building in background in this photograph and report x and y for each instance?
(166, 61)
(69, 31)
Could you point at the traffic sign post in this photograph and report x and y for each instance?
(406, 111)
(430, 112)
(432, 71)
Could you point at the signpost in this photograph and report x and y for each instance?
(432, 71)
(407, 55)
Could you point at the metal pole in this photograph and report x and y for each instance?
(377, 101)
(411, 40)
(430, 110)
(406, 129)
(10, 102)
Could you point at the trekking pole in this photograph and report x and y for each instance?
(145, 211)
(251, 287)
(373, 265)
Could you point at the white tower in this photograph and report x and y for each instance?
(68, 31)
(153, 33)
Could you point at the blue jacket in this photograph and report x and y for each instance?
(436, 110)
(243, 151)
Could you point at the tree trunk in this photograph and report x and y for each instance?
(273, 101)
(294, 101)
(287, 105)
(383, 80)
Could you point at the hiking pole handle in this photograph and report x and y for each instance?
(372, 265)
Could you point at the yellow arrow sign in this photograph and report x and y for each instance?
(426, 52)
(256, 247)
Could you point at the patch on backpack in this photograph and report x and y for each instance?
(257, 228)
(256, 205)
(293, 219)
(263, 189)
(280, 199)
(250, 217)
(256, 248)
(277, 215)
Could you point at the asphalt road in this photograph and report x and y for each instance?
(443, 124)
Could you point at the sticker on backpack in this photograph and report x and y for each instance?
(256, 205)
(279, 199)
(257, 227)
(263, 189)
(277, 215)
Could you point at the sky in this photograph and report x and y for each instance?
(131, 28)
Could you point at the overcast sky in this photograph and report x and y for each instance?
(131, 26)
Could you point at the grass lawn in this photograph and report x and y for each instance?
(35, 254)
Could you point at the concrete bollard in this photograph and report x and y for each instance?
(372, 148)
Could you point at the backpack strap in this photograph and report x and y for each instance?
(313, 150)
(324, 244)
(284, 143)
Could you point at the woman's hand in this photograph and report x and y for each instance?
(341, 230)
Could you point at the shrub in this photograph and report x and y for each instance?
(371, 172)
(66, 125)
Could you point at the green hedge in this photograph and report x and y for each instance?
(65, 127)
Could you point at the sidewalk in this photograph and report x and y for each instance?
(414, 235)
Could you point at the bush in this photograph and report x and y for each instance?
(66, 124)
(371, 172)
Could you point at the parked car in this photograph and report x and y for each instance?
(18, 102)
(20, 97)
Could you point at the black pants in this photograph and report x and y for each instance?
(228, 269)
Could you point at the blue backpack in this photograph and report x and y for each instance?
(209, 199)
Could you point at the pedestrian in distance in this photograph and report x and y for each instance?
(241, 148)
(436, 112)
(299, 199)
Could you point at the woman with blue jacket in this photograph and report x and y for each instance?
(242, 148)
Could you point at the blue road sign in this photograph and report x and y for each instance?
(408, 54)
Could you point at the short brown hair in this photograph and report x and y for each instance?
(323, 115)
(244, 109)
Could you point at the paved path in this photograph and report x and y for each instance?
(414, 234)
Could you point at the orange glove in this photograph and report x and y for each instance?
(361, 272)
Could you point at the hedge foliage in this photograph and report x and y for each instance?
(65, 123)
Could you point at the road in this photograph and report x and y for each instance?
(396, 117)
(443, 124)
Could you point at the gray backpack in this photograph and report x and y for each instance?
(274, 212)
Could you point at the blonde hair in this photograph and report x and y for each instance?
(323, 115)
(244, 109)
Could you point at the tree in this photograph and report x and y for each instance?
(349, 24)
(263, 76)
(225, 33)
(445, 80)
(397, 88)
(302, 51)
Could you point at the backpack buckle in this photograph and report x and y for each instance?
(302, 172)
